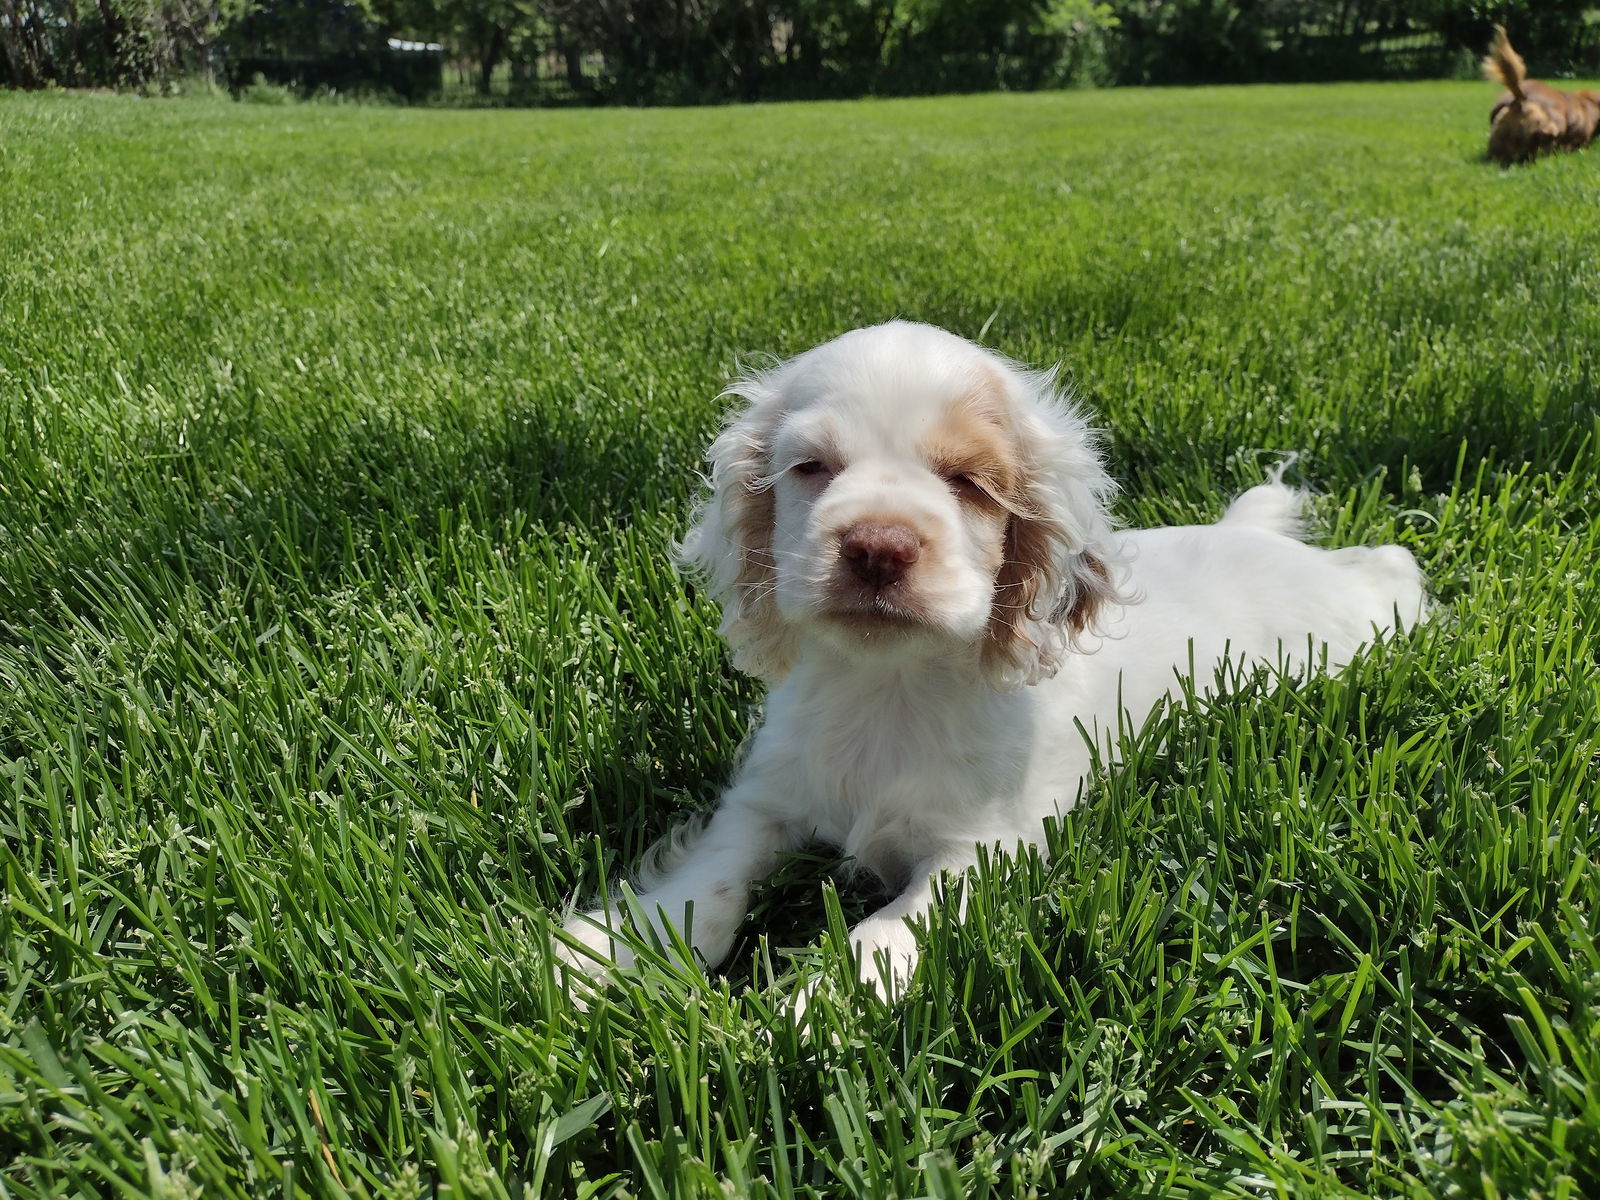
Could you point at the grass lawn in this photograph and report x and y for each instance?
(340, 454)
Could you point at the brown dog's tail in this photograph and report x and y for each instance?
(1503, 65)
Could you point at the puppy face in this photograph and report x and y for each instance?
(890, 503)
(899, 491)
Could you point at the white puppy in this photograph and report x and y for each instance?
(909, 539)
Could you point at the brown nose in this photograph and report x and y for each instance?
(879, 554)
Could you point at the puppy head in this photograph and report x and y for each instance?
(901, 492)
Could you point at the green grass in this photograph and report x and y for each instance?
(340, 454)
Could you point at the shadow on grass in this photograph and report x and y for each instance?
(1497, 427)
(356, 503)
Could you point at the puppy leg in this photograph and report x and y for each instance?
(885, 942)
(703, 896)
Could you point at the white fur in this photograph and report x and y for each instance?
(903, 747)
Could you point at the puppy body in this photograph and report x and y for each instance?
(916, 712)
(1533, 118)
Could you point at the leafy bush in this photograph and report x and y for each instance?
(261, 91)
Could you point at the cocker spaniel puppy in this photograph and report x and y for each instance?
(1532, 117)
(909, 539)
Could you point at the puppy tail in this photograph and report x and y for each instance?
(1273, 505)
(1503, 65)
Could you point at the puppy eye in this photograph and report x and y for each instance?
(810, 467)
(965, 485)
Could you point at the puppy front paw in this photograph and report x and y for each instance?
(886, 955)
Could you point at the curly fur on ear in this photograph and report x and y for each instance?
(729, 543)
(1056, 577)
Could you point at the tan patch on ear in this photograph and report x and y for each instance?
(1094, 586)
(749, 525)
(750, 529)
(1026, 571)
(746, 509)
(975, 438)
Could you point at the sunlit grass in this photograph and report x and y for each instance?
(340, 455)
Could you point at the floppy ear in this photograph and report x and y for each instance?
(1057, 573)
(729, 544)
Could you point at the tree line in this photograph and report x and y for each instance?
(694, 51)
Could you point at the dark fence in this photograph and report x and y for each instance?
(1255, 57)
(1325, 59)
(409, 74)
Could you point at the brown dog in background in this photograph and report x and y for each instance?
(1532, 117)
